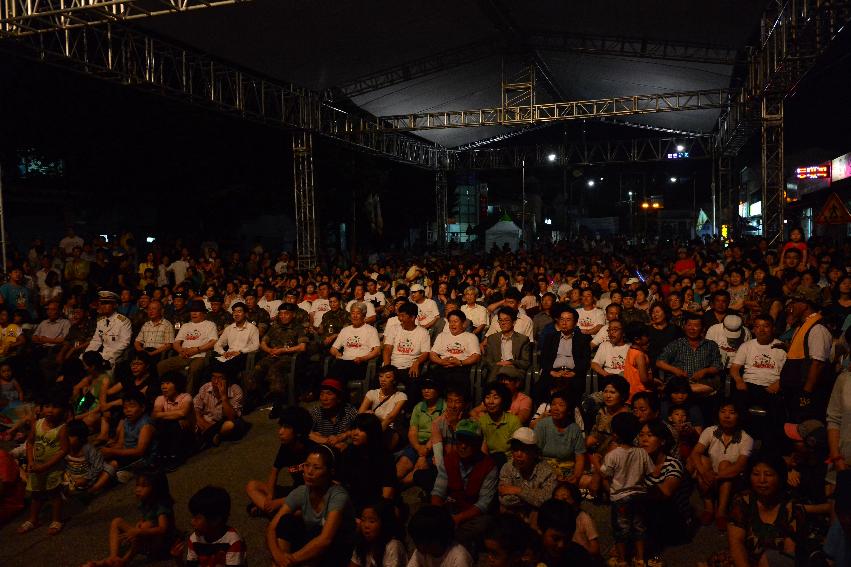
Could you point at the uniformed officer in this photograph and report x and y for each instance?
(218, 315)
(177, 313)
(334, 320)
(113, 331)
(286, 339)
(256, 314)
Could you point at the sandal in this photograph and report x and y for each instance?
(26, 527)
(54, 528)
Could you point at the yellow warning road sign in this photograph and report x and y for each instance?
(833, 212)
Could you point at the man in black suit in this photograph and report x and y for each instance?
(565, 358)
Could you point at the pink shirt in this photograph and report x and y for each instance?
(164, 404)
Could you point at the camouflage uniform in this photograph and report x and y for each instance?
(274, 368)
(221, 319)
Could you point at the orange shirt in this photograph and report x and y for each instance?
(630, 371)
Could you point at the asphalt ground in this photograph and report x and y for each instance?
(231, 465)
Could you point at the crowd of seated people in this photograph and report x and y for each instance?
(506, 394)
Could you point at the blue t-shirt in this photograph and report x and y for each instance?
(836, 544)
(16, 297)
(336, 499)
(561, 445)
(133, 430)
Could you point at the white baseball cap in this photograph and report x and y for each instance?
(525, 435)
(732, 326)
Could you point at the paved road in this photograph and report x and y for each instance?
(229, 466)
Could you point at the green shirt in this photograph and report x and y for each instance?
(497, 434)
(422, 419)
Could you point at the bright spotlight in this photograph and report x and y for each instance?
(645, 205)
(590, 183)
(551, 157)
(673, 180)
(680, 147)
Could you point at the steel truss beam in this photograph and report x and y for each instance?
(773, 178)
(118, 54)
(305, 199)
(638, 48)
(21, 17)
(551, 112)
(539, 40)
(440, 205)
(727, 195)
(625, 151)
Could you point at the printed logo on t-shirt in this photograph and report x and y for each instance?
(764, 361)
(405, 346)
(354, 342)
(617, 362)
(455, 348)
(193, 335)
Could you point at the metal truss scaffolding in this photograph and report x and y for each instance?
(727, 193)
(440, 205)
(773, 179)
(20, 17)
(305, 208)
(582, 153)
(557, 111)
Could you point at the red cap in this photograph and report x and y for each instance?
(332, 384)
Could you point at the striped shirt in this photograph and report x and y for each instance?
(228, 550)
(326, 427)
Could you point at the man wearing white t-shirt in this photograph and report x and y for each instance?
(522, 325)
(756, 371)
(591, 317)
(373, 295)
(320, 305)
(406, 345)
(360, 292)
(476, 314)
(269, 303)
(613, 311)
(611, 356)
(427, 311)
(354, 347)
(192, 343)
(453, 353)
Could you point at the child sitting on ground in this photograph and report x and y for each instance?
(13, 410)
(135, 441)
(557, 524)
(586, 533)
(212, 542)
(433, 532)
(686, 434)
(293, 428)
(85, 471)
(46, 449)
(627, 466)
(153, 534)
(379, 541)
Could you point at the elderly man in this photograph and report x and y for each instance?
(507, 352)
(427, 312)
(355, 346)
(565, 356)
(526, 481)
(48, 338)
(406, 345)
(112, 331)
(194, 340)
(156, 335)
(466, 483)
(693, 357)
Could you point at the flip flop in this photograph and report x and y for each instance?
(26, 527)
(54, 528)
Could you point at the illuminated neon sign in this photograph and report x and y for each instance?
(813, 172)
(677, 155)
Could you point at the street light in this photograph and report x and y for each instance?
(673, 180)
(680, 147)
(551, 157)
(590, 183)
